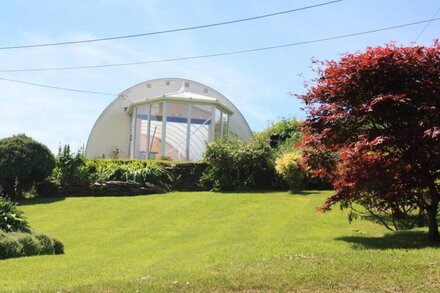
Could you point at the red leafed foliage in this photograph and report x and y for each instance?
(373, 130)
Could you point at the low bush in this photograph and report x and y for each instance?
(288, 167)
(138, 171)
(58, 246)
(73, 170)
(28, 244)
(17, 238)
(9, 247)
(185, 176)
(238, 164)
(47, 245)
(11, 218)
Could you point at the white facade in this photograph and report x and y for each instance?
(168, 117)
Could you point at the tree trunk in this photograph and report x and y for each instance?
(433, 233)
(421, 218)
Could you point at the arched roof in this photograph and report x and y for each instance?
(112, 128)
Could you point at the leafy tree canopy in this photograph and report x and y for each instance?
(373, 129)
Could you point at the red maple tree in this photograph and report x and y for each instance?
(373, 130)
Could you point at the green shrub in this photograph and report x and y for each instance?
(73, 169)
(11, 218)
(288, 167)
(28, 244)
(46, 244)
(58, 247)
(23, 162)
(17, 238)
(74, 172)
(70, 168)
(281, 135)
(138, 171)
(238, 164)
(185, 176)
(9, 247)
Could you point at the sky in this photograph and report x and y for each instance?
(260, 84)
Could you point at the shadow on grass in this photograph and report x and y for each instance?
(396, 240)
(40, 200)
(404, 223)
(309, 192)
(264, 191)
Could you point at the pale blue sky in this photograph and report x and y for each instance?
(258, 83)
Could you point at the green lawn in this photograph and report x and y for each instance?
(203, 241)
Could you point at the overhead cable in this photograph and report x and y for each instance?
(170, 30)
(56, 87)
(218, 54)
(426, 25)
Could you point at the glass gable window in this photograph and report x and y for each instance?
(199, 130)
(155, 132)
(175, 130)
(225, 125)
(176, 134)
(217, 123)
(141, 138)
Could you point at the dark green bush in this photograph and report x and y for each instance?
(11, 218)
(28, 244)
(23, 163)
(185, 176)
(58, 247)
(238, 164)
(46, 244)
(9, 247)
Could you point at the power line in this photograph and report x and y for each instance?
(56, 87)
(219, 54)
(192, 57)
(170, 30)
(427, 24)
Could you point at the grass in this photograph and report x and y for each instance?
(201, 241)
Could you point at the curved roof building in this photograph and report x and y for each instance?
(167, 117)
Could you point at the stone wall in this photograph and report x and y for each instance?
(109, 188)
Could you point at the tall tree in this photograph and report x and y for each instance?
(373, 129)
